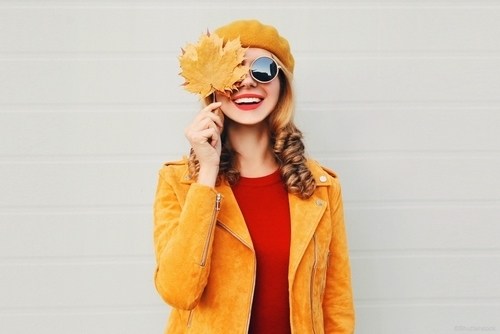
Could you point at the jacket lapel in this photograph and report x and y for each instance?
(230, 215)
(305, 216)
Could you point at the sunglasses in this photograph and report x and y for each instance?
(264, 69)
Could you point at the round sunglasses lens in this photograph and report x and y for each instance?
(264, 69)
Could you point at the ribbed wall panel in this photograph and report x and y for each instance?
(400, 98)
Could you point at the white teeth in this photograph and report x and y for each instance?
(248, 100)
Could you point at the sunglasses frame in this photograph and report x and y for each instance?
(278, 68)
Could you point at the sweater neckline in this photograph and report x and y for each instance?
(274, 177)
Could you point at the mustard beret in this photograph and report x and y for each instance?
(253, 33)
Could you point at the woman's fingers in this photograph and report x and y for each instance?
(206, 126)
(199, 128)
(220, 115)
(211, 112)
(203, 136)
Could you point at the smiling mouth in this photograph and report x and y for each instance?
(247, 101)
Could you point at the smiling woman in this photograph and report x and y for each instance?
(249, 233)
(259, 99)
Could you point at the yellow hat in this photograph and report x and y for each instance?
(253, 33)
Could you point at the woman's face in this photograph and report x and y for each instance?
(253, 101)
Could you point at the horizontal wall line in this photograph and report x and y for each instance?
(408, 154)
(160, 158)
(6, 211)
(76, 211)
(424, 302)
(425, 253)
(81, 55)
(97, 107)
(401, 54)
(19, 210)
(191, 101)
(375, 204)
(107, 4)
(77, 261)
(82, 159)
(87, 56)
(349, 205)
(355, 254)
(396, 106)
(87, 310)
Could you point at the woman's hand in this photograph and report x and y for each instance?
(204, 135)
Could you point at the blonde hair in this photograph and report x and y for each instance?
(286, 142)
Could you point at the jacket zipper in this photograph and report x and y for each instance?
(204, 256)
(323, 284)
(311, 289)
(190, 317)
(218, 199)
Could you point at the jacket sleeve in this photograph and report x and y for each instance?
(338, 307)
(183, 236)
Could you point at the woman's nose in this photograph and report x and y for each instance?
(248, 81)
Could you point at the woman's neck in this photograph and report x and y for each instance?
(254, 155)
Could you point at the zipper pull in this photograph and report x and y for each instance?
(218, 199)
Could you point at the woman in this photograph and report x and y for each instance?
(249, 234)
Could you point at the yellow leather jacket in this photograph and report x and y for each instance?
(206, 264)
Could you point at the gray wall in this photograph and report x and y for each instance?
(400, 97)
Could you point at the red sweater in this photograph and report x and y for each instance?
(264, 204)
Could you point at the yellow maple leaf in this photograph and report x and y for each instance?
(210, 66)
